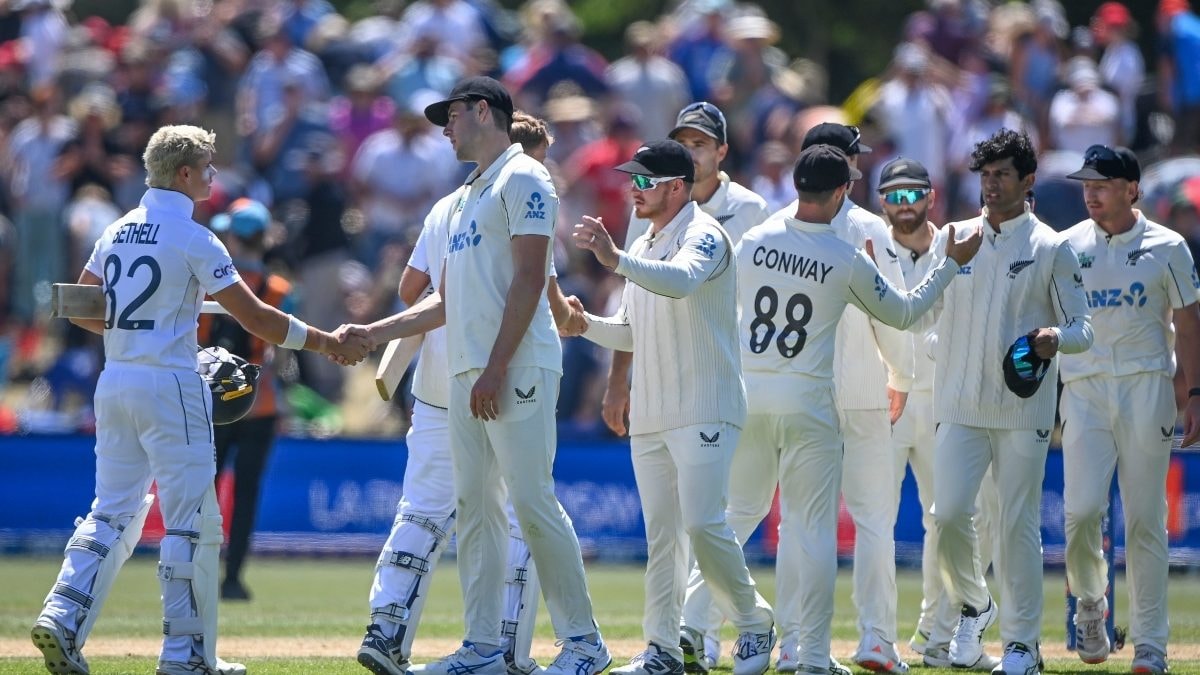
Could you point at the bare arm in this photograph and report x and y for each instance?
(270, 324)
(529, 281)
(94, 325)
(413, 284)
(1187, 323)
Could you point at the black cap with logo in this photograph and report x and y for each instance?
(661, 159)
(703, 117)
(1101, 162)
(822, 168)
(847, 139)
(1023, 368)
(479, 88)
(903, 171)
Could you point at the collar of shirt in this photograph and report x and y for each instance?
(490, 173)
(170, 201)
(806, 226)
(1139, 227)
(1008, 227)
(717, 200)
(686, 215)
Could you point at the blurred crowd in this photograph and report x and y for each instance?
(320, 118)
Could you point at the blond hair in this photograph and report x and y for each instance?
(529, 131)
(173, 147)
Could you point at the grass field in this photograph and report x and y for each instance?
(307, 616)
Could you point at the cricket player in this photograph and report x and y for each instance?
(796, 277)
(154, 411)
(1025, 282)
(905, 197)
(425, 514)
(701, 128)
(1142, 288)
(505, 360)
(678, 316)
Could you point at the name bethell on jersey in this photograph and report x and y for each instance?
(137, 233)
(791, 263)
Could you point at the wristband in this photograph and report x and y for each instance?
(297, 334)
(1194, 391)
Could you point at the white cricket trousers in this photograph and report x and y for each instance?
(871, 492)
(799, 447)
(1018, 461)
(913, 439)
(516, 449)
(152, 424)
(1127, 424)
(683, 476)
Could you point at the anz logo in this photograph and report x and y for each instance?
(1085, 261)
(1195, 278)
(881, 286)
(537, 207)
(465, 239)
(707, 441)
(965, 269)
(707, 246)
(1116, 297)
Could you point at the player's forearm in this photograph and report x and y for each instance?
(610, 333)
(618, 370)
(1066, 288)
(558, 302)
(520, 305)
(1187, 327)
(876, 296)
(896, 348)
(429, 313)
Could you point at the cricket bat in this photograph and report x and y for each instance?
(85, 301)
(396, 357)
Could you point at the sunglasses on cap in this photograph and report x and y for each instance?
(905, 196)
(643, 183)
(706, 108)
(1101, 153)
(1020, 359)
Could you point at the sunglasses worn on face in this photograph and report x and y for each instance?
(643, 183)
(905, 196)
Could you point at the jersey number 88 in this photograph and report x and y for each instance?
(793, 336)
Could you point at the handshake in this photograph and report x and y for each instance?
(349, 344)
(572, 322)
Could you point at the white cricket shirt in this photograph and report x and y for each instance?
(1024, 277)
(155, 265)
(514, 196)
(678, 316)
(795, 281)
(1133, 281)
(916, 268)
(431, 384)
(735, 208)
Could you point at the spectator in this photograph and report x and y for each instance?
(456, 25)
(773, 176)
(560, 57)
(1121, 67)
(1084, 114)
(1179, 71)
(87, 158)
(648, 80)
(44, 32)
(299, 17)
(420, 66)
(592, 185)
(294, 133)
(700, 44)
(998, 113)
(916, 113)
(572, 116)
(362, 111)
(261, 90)
(1036, 55)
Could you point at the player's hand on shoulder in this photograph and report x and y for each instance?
(963, 250)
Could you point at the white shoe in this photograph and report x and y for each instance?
(752, 652)
(937, 656)
(834, 668)
(919, 641)
(530, 668)
(580, 657)
(966, 647)
(691, 642)
(1019, 659)
(465, 661)
(197, 666)
(712, 651)
(380, 654)
(653, 661)
(787, 662)
(57, 645)
(1091, 635)
(1147, 659)
(878, 655)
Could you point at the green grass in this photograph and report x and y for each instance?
(325, 601)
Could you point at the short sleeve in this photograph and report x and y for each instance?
(531, 202)
(419, 260)
(1183, 287)
(93, 262)
(211, 264)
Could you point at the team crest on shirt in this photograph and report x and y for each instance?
(724, 218)
(1015, 268)
(1085, 261)
(707, 441)
(1134, 256)
(537, 207)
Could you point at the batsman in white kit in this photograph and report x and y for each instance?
(796, 277)
(905, 197)
(1142, 289)
(1019, 303)
(678, 316)
(425, 515)
(154, 411)
(505, 360)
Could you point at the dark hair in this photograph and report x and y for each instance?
(1004, 144)
(502, 120)
(816, 197)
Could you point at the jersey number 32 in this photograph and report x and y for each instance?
(791, 339)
